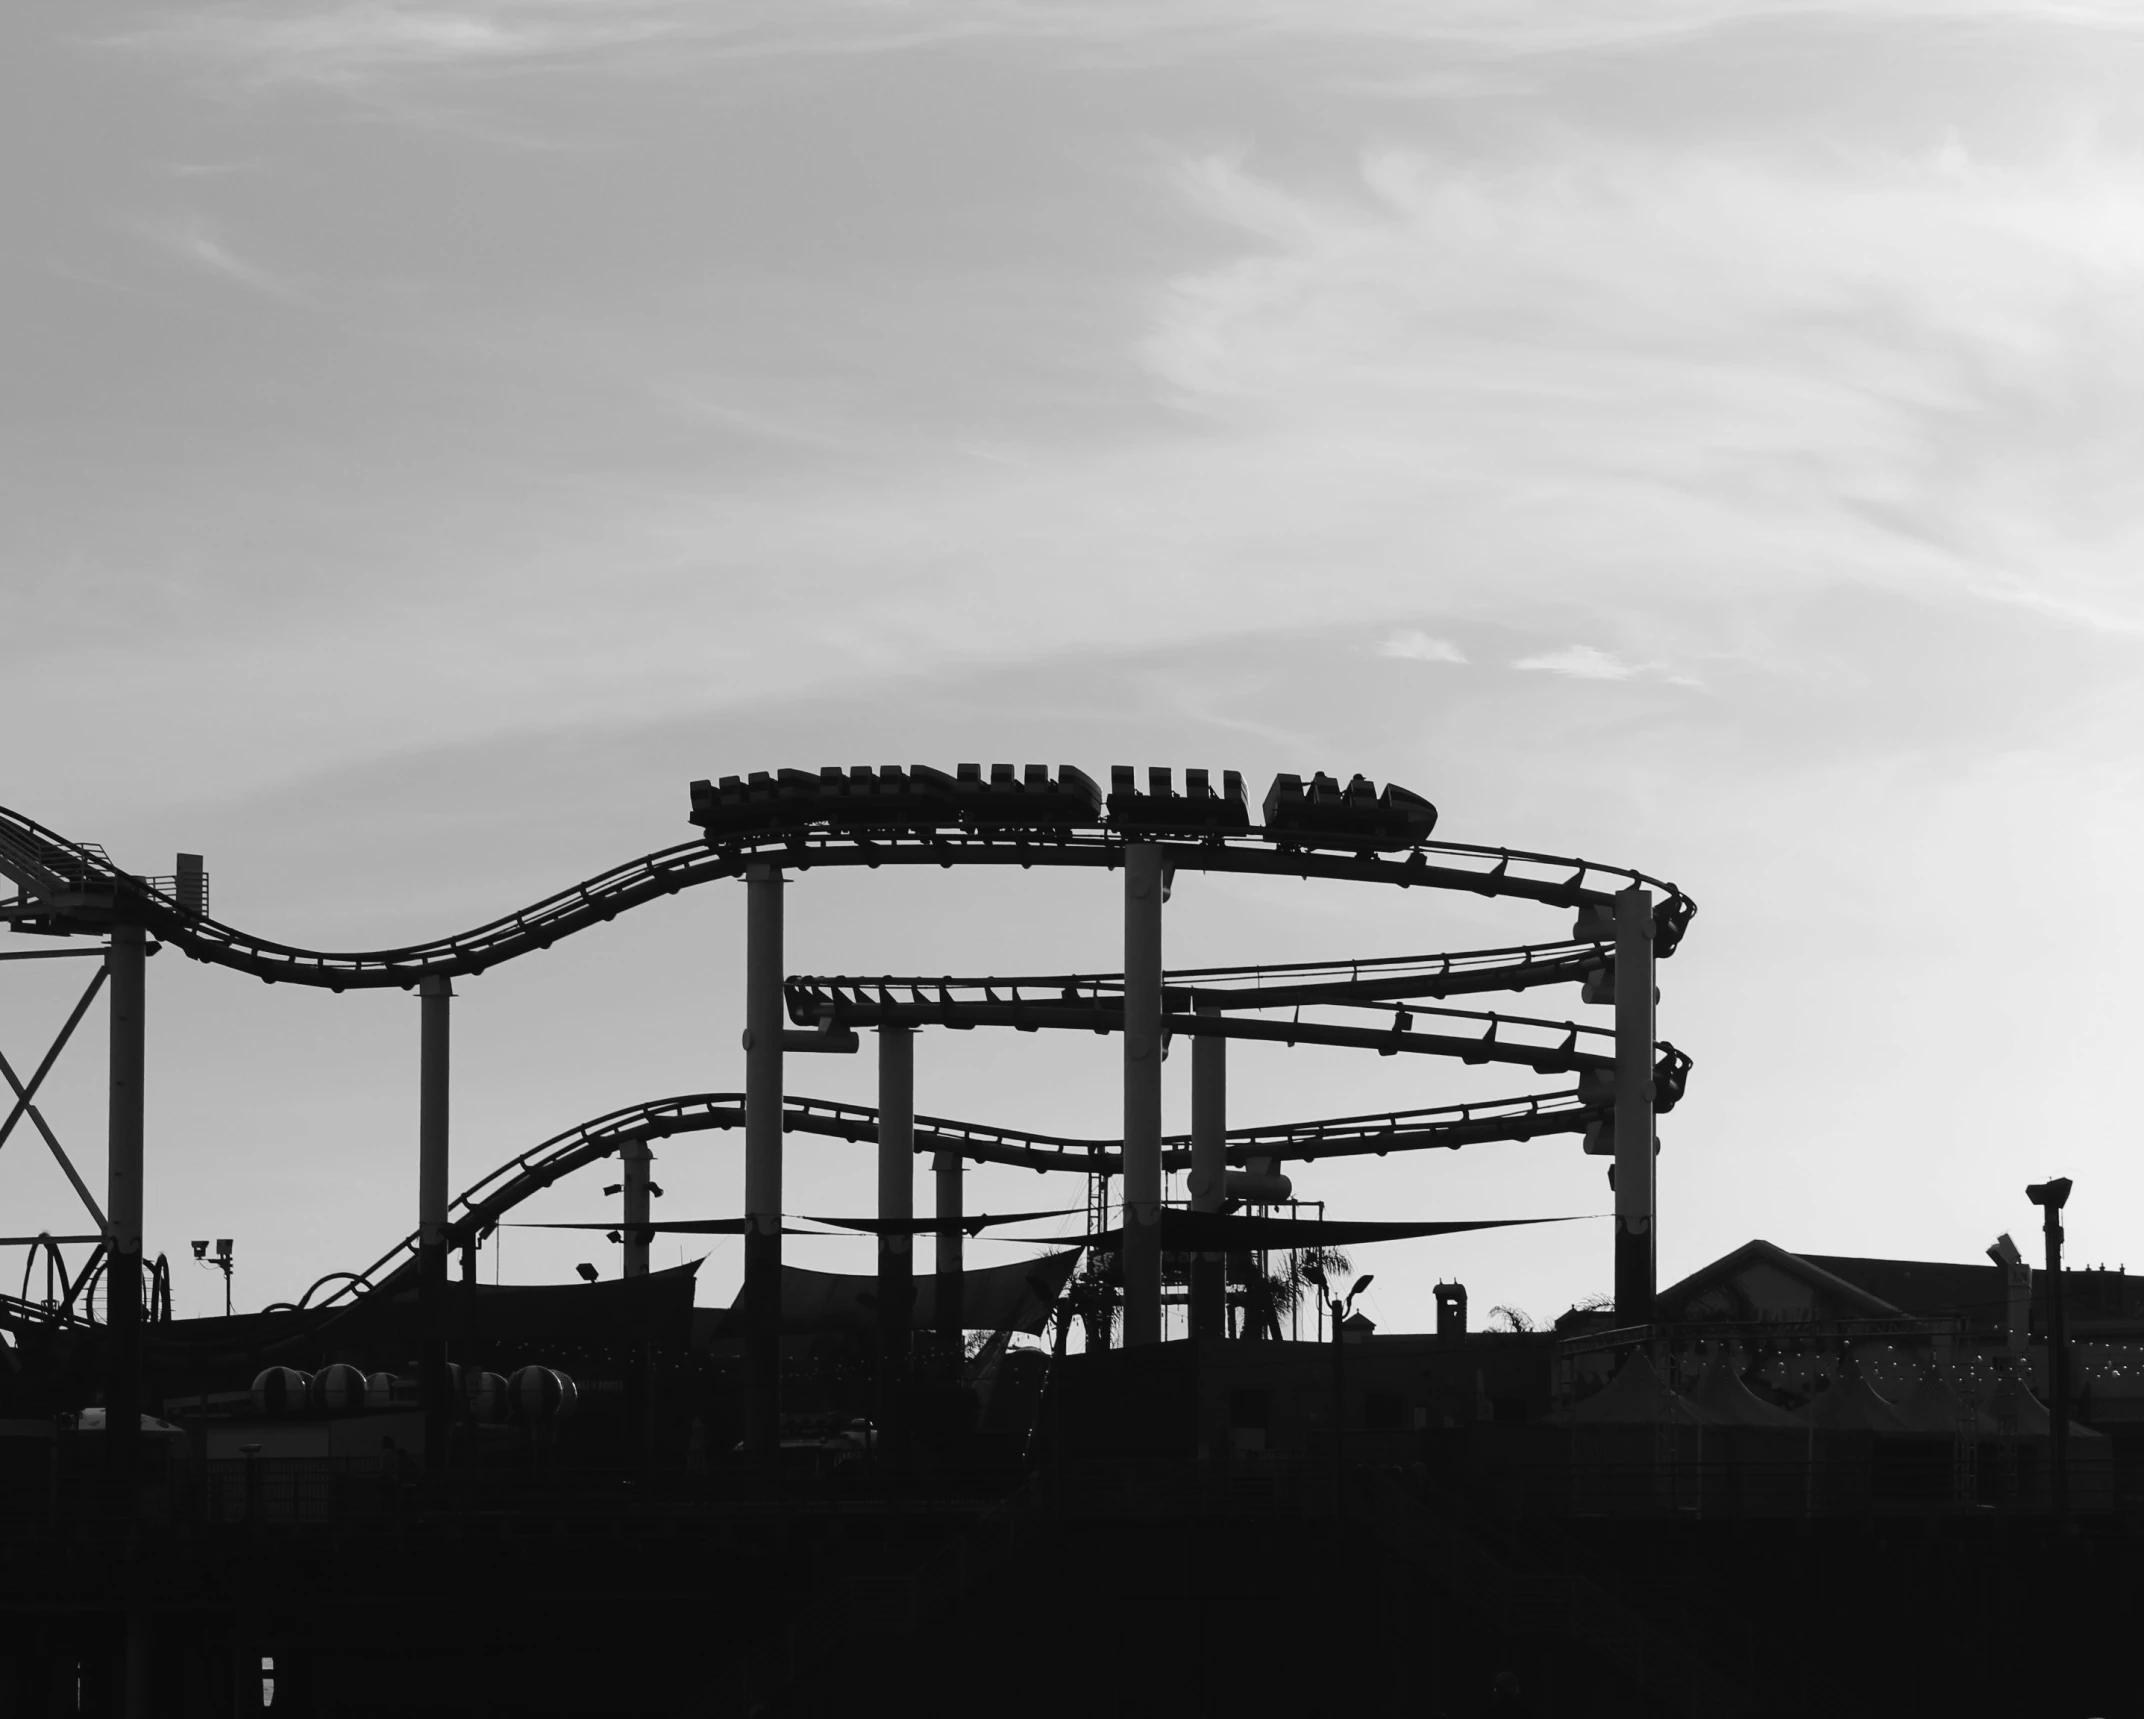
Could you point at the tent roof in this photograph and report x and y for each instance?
(1933, 1407)
(1722, 1394)
(1852, 1405)
(1636, 1396)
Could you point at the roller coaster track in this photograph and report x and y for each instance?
(1383, 978)
(68, 888)
(479, 1209)
(74, 888)
(1506, 1038)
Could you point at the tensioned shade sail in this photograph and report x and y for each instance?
(1213, 1232)
(1014, 1297)
(972, 1225)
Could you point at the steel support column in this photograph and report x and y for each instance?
(1634, 1137)
(1141, 1257)
(636, 1183)
(951, 1314)
(127, 963)
(1209, 1178)
(896, 1195)
(636, 1164)
(435, 997)
(764, 1023)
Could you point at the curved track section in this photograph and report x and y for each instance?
(73, 888)
(1210, 1001)
(480, 1208)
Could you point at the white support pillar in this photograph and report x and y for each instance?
(1634, 1127)
(764, 1024)
(1141, 1257)
(1209, 1176)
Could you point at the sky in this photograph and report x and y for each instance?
(1689, 435)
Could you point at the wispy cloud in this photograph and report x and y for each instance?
(1710, 373)
(1580, 662)
(190, 241)
(359, 39)
(1417, 646)
(353, 40)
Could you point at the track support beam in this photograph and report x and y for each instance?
(764, 1025)
(435, 997)
(1141, 1258)
(127, 963)
(1635, 1144)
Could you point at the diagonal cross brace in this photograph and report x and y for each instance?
(25, 1094)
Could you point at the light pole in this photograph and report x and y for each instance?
(222, 1262)
(1340, 1309)
(2050, 1197)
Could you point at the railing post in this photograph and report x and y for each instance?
(434, 997)
(764, 1024)
(127, 962)
(1141, 1256)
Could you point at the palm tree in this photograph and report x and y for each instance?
(1300, 1270)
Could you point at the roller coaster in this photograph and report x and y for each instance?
(768, 828)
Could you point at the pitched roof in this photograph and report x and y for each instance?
(1930, 1288)
(1858, 1301)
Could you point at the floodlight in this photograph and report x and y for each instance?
(223, 1243)
(588, 1272)
(200, 1250)
(2003, 1251)
(614, 1187)
(2053, 1195)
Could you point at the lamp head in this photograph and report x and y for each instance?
(1361, 1283)
(2053, 1195)
(588, 1272)
(200, 1250)
(2003, 1251)
(223, 1247)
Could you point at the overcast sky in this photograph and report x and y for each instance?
(1698, 436)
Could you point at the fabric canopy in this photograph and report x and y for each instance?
(1014, 1297)
(1215, 1232)
(974, 1225)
